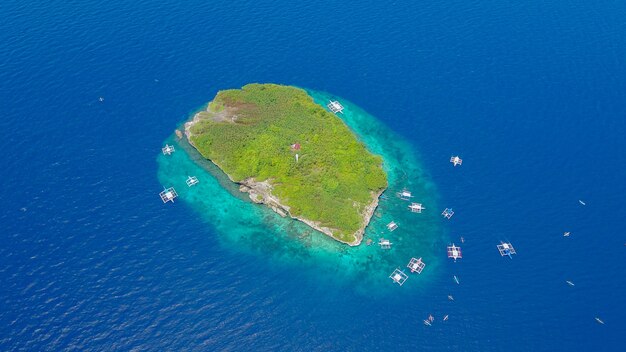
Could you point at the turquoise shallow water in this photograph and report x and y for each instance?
(254, 229)
(530, 93)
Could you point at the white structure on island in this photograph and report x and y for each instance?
(192, 181)
(506, 249)
(455, 160)
(404, 195)
(168, 195)
(447, 213)
(398, 276)
(416, 265)
(416, 207)
(335, 106)
(384, 243)
(392, 226)
(168, 149)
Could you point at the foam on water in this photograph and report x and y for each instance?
(248, 227)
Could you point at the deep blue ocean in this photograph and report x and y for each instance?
(531, 94)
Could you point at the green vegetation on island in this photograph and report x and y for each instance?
(291, 154)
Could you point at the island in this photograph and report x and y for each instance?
(291, 154)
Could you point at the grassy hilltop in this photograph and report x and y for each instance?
(249, 133)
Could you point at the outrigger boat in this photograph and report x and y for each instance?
(599, 321)
(581, 202)
(445, 318)
(335, 107)
(506, 249)
(450, 297)
(426, 322)
(454, 252)
(570, 283)
(456, 279)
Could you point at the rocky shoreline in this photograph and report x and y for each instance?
(261, 193)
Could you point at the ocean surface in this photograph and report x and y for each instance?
(532, 96)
